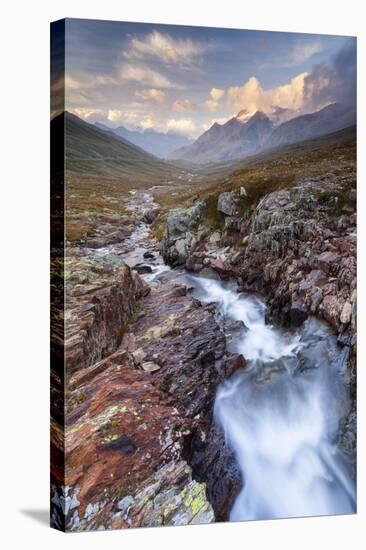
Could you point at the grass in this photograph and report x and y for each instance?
(94, 199)
(329, 156)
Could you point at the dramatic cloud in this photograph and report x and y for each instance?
(303, 51)
(216, 93)
(130, 118)
(182, 105)
(144, 75)
(182, 125)
(212, 105)
(164, 47)
(85, 113)
(333, 81)
(186, 78)
(252, 97)
(114, 115)
(152, 94)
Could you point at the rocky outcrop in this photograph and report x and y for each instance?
(178, 241)
(131, 419)
(297, 247)
(100, 300)
(299, 254)
(228, 203)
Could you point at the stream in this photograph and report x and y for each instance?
(281, 414)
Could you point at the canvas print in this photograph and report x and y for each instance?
(203, 282)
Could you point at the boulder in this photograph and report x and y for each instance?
(232, 223)
(330, 309)
(142, 268)
(149, 216)
(298, 312)
(228, 203)
(179, 241)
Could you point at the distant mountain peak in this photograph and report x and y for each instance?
(249, 133)
(151, 140)
(245, 116)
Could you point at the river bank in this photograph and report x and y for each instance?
(141, 413)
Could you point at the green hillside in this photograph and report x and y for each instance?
(89, 150)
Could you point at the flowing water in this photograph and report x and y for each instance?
(281, 414)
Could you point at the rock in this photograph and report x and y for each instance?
(326, 260)
(315, 299)
(97, 313)
(346, 313)
(142, 268)
(171, 497)
(124, 504)
(150, 366)
(212, 454)
(315, 278)
(149, 216)
(105, 240)
(296, 255)
(228, 203)
(224, 270)
(137, 424)
(298, 312)
(138, 355)
(178, 240)
(330, 309)
(215, 237)
(233, 363)
(148, 255)
(232, 223)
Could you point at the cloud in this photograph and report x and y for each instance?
(181, 126)
(221, 120)
(212, 105)
(144, 75)
(217, 93)
(326, 83)
(252, 97)
(163, 47)
(304, 51)
(147, 122)
(182, 105)
(151, 94)
(334, 81)
(130, 118)
(114, 115)
(85, 113)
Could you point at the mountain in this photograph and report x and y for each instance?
(91, 150)
(241, 136)
(159, 144)
(238, 137)
(329, 119)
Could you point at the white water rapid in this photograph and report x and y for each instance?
(281, 413)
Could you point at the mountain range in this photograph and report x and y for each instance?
(91, 150)
(157, 143)
(240, 137)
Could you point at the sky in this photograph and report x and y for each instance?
(183, 79)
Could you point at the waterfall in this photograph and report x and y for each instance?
(281, 414)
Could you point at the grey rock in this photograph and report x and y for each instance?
(228, 203)
(125, 503)
(179, 241)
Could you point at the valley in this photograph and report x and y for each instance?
(206, 303)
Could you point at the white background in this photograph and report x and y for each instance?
(24, 271)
